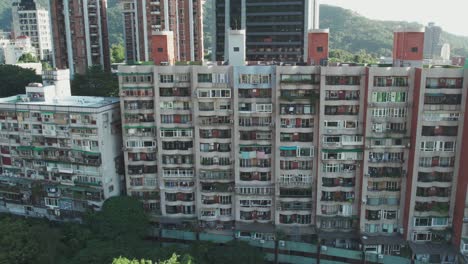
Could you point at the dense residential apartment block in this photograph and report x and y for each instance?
(355, 155)
(80, 35)
(276, 30)
(145, 22)
(58, 153)
(32, 20)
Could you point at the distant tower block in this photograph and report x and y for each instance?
(162, 43)
(408, 47)
(318, 47)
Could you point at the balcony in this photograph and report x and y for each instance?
(295, 193)
(435, 177)
(343, 80)
(391, 81)
(342, 95)
(440, 207)
(338, 182)
(444, 83)
(182, 197)
(292, 95)
(342, 110)
(436, 131)
(385, 172)
(433, 192)
(298, 79)
(217, 187)
(296, 206)
(255, 176)
(297, 109)
(337, 197)
(254, 93)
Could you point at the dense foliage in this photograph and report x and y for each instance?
(114, 235)
(13, 79)
(95, 82)
(27, 58)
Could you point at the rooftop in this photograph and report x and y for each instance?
(74, 101)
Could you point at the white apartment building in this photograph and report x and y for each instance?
(32, 20)
(58, 153)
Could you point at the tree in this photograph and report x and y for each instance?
(95, 82)
(121, 218)
(27, 58)
(117, 53)
(13, 79)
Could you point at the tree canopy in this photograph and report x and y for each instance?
(95, 82)
(117, 53)
(27, 58)
(116, 235)
(13, 79)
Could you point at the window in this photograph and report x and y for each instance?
(414, 49)
(160, 49)
(205, 78)
(236, 49)
(264, 108)
(422, 221)
(166, 78)
(319, 49)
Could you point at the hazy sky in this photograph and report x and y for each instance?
(451, 15)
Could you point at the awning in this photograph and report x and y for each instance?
(288, 148)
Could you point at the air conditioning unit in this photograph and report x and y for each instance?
(282, 243)
(262, 241)
(380, 256)
(323, 248)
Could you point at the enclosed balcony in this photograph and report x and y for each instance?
(297, 109)
(442, 99)
(435, 176)
(180, 210)
(216, 175)
(175, 92)
(217, 187)
(444, 83)
(391, 81)
(338, 182)
(296, 219)
(184, 197)
(138, 105)
(300, 79)
(215, 133)
(255, 216)
(295, 193)
(142, 169)
(297, 122)
(342, 95)
(391, 157)
(337, 196)
(384, 186)
(384, 172)
(434, 131)
(214, 120)
(439, 207)
(291, 95)
(216, 199)
(296, 137)
(343, 80)
(177, 145)
(254, 93)
(433, 192)
(296, 206)
(342, 110)
(255, 176)
(141, 156)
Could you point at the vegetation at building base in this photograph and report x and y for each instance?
(13, 79)
(117, 235)
(95, 82)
